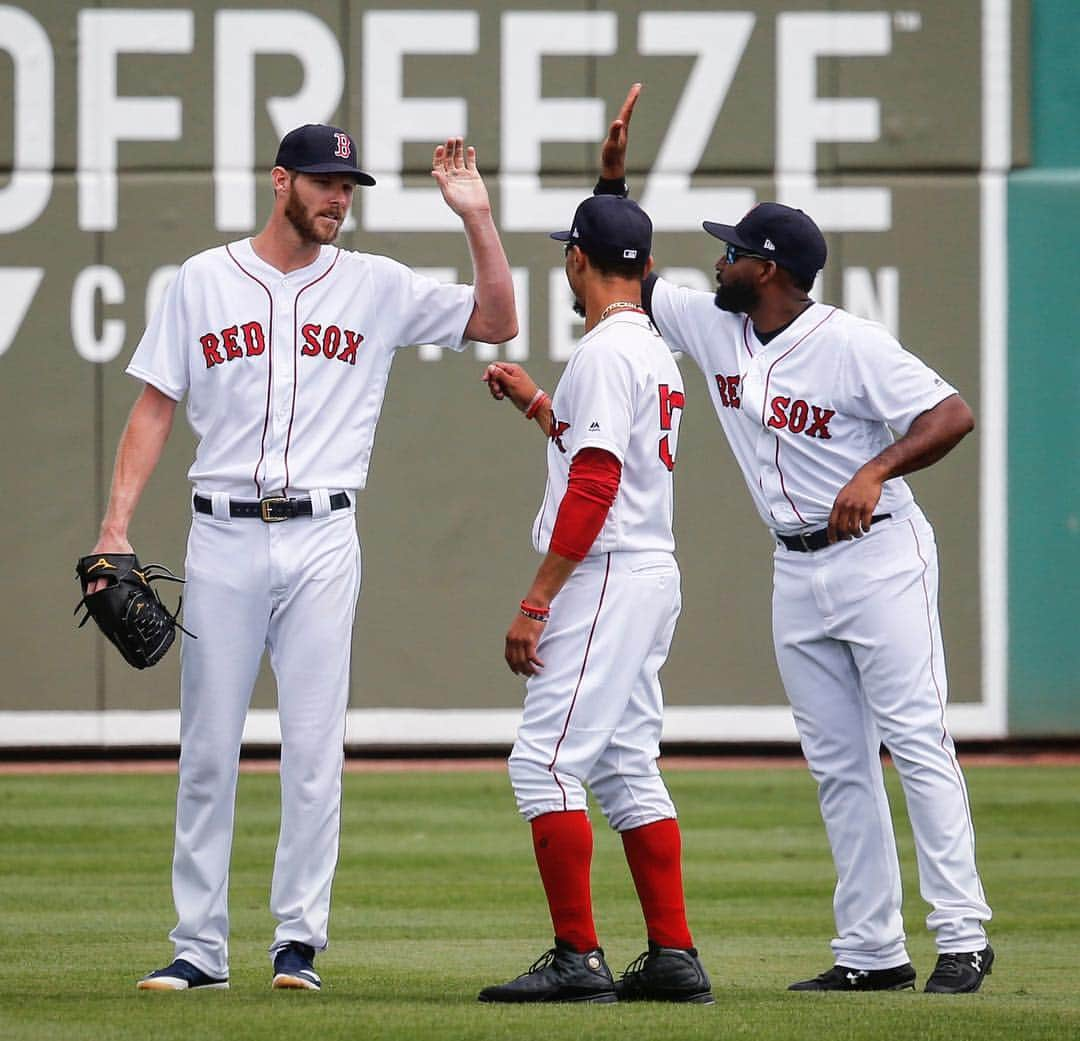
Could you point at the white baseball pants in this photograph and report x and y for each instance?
(291, 588)
(594, 715)
(858, 643)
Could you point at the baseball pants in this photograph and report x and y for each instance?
(290, 588)
(593, 716)
(858, 643)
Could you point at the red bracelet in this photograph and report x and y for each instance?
(537, 403)
(537, 614)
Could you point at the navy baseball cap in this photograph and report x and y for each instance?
(780, 233)
(610, 227)
(317, 148)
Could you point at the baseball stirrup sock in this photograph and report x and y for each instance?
(563, 844)
(654, 853)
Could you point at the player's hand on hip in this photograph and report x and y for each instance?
(613, 152)
(505, 379)
(521, 642)
(454, 167)
(853, 510)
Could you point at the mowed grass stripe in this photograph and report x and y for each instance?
(437, 896)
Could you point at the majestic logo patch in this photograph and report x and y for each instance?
(344, 146)
(594, 425)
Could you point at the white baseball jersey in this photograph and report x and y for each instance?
(620, 391)
(805, 411)
(285, 373)
(855, 624)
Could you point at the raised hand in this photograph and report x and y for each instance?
(454, 167)
(613, 152)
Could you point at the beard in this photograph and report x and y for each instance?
(737, 297)
(578, 307)
(305, 225)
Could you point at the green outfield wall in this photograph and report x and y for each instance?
(132, 136)
(1044, 390)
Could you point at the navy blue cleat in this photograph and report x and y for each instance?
(181, 975)
(293, 969)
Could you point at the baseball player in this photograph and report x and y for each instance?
(808, 395)
(596, 624)
(282, 345)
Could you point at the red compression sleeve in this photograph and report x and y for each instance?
(591, 488)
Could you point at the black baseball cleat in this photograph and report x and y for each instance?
(960, 973)
(181, 975)
(840, 977)
(293, 969)
(666, 974)
(560, 974)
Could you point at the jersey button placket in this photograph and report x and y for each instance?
(281, 390)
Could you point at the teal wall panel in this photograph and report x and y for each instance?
(1044, 453)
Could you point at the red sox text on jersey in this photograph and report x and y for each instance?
(798, 416)
(331, 342)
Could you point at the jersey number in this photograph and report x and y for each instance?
(670, 400)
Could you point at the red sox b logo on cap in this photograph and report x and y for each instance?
(344, 146)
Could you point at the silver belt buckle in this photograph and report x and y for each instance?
(805, 544)
(267, 504)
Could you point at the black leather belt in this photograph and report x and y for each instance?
(272, 509)
(817, 539)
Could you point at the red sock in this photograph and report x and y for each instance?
(563, 844)
(654, 853)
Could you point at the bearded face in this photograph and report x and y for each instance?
(736, 295)
(316, 207)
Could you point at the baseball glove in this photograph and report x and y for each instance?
(128, 610)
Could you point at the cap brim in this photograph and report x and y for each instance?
(341, 168)
(561, 236)
(726, 233)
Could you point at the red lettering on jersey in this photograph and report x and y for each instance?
(556, 431)
(778, 419)
(820, 426)
(670, 400)
(253, 338)
(794, 416)
(728, 388)
(800, 410)
(311, 344)
(352, 340)
(228, 341)
(331, 340)
(210, 350)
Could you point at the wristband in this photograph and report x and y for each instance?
(612, 186)
(537, 614)
(537, 403)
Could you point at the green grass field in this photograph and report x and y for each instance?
(437, 896)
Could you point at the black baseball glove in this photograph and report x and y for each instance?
(127, 610)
